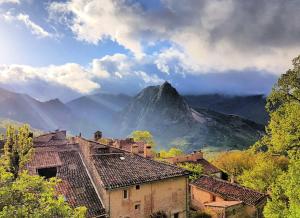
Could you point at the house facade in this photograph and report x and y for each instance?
(224, 199)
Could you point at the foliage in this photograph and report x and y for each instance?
(18, 149)
(195, 169)
(172, 152)
(158, 214)
(287, 88)
(266, 168)
(282, 137)
(143, 136)
(32, 196)
(234, 163)
(285, 192)
(283, 130)
(24, 195)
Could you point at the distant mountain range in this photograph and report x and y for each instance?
(251, 107)
(192, 122)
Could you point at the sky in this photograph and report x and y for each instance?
(65, 49)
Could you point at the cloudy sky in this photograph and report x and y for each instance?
(69, 48)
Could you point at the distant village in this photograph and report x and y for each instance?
(123, 179)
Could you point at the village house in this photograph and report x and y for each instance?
(197, 158)
(225, 199)
(109, 181)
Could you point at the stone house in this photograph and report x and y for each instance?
(225, 199)
(109, 181)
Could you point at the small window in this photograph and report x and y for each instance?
(176, 215)
(137, 207)
(125, 194)
(137, 187)
(47, 173)
(213, 198)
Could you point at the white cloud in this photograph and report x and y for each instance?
(34, 28)
(114, 68)
(149, 79)
(173, 60)
(69, 75)
(10, 1)
(216, 35)
(96, 20)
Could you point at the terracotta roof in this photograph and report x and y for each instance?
(45, 159)
(125, 169)
(50, 139)
(76, 185)
(229, 191)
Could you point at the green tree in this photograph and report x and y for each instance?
(24, 195)
(18, 149)
(32, 196)
(143, 136)
(285, 192)
(287, 88)
(234, 163)
(265, 170)
(195, 169)
(172, 152)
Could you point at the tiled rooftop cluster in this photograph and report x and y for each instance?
(125, 169)
(229, 191)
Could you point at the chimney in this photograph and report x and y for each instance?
(196, 155)
(30, 135)
(134, 149)
(148, 151)
(97, 135)
(129, 140)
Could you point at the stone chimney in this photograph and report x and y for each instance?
(148, 151)
(97, 135)
(134, 149)
(196, 155)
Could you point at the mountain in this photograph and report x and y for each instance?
(100, 109)
(45, 116)
(161, 110)
(251, 107)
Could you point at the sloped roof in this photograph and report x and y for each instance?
(229, 191)
(76, 185)
(50, 139)
(125, 169)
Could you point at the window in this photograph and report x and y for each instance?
(137, 187)
(213, 198)
(125, 194)
(47, 173)
(137, 207)
(176, 215)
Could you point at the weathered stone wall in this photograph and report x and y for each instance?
(167, 195)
